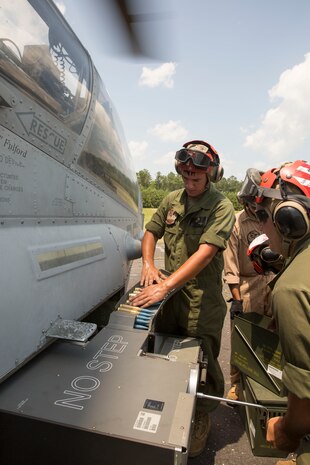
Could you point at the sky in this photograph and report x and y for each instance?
(235, 73)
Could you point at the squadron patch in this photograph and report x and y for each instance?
(252, 235)
(171, 216)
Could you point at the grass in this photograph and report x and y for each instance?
(148, 212)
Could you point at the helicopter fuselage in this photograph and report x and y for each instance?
(70, 207)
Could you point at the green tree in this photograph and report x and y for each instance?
(159, 181)
(230, 187)
(230, 184)
(151, 197)
(154, 190)
(144, 178)
(232, 196)
(173, 182)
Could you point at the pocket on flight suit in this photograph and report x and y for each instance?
(192, 237)
(170, 239)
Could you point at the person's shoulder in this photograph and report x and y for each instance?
(302, 248)
(299, 264)
(216, 194)
(240, 215)
(219, 198)
(245, 217)
(295, 274)
(174, 194)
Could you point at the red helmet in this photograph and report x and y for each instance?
(291, 209)
(258, 186)
(198, 156)
(296, 174)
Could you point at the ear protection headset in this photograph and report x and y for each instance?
(291, 214)
(291, 219)
(263, 258)
(215, 171)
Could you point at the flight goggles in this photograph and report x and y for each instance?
(252, 192)
(199, 159)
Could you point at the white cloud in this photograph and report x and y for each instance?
(138, 149)
(285, 127)
(162, 75)
(166, 160)
(170, 131)
(61, 7)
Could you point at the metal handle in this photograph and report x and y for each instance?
(200, 395)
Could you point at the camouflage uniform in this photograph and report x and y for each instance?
(198, 310)
(238, 269)
(291, 309)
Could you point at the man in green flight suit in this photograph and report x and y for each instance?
(196, 223)
(282, 198)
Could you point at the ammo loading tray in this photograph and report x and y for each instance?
(257, 353)
(126, 396)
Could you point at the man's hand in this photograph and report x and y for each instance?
(150, 274)
(277, 436)
(150, 295)
(236, 308)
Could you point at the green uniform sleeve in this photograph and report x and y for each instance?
(220, 225)
(291, 307)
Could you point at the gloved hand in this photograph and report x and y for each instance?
(236, 308)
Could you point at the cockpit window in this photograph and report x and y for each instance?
(106, 155)
(41, 55)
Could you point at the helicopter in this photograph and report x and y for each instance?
(70, 206)
(79, 368)
(71, 223)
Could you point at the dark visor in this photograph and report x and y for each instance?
(250, 186)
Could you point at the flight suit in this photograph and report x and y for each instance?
(238, 269)
(291, 309)
(198, 309)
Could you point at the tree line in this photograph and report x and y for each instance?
(154, 190)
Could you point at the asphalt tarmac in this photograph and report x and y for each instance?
(228, 443)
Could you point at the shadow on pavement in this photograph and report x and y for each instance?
(226, 430)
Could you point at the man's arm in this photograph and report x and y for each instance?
(285, 432)
(235, 291)
(231, 261)
(193, 265)
(150, 272)
(232, 273)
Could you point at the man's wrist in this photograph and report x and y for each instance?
(168, 285)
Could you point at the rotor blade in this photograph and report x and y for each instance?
(139, 28)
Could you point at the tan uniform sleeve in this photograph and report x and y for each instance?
(231, 262)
